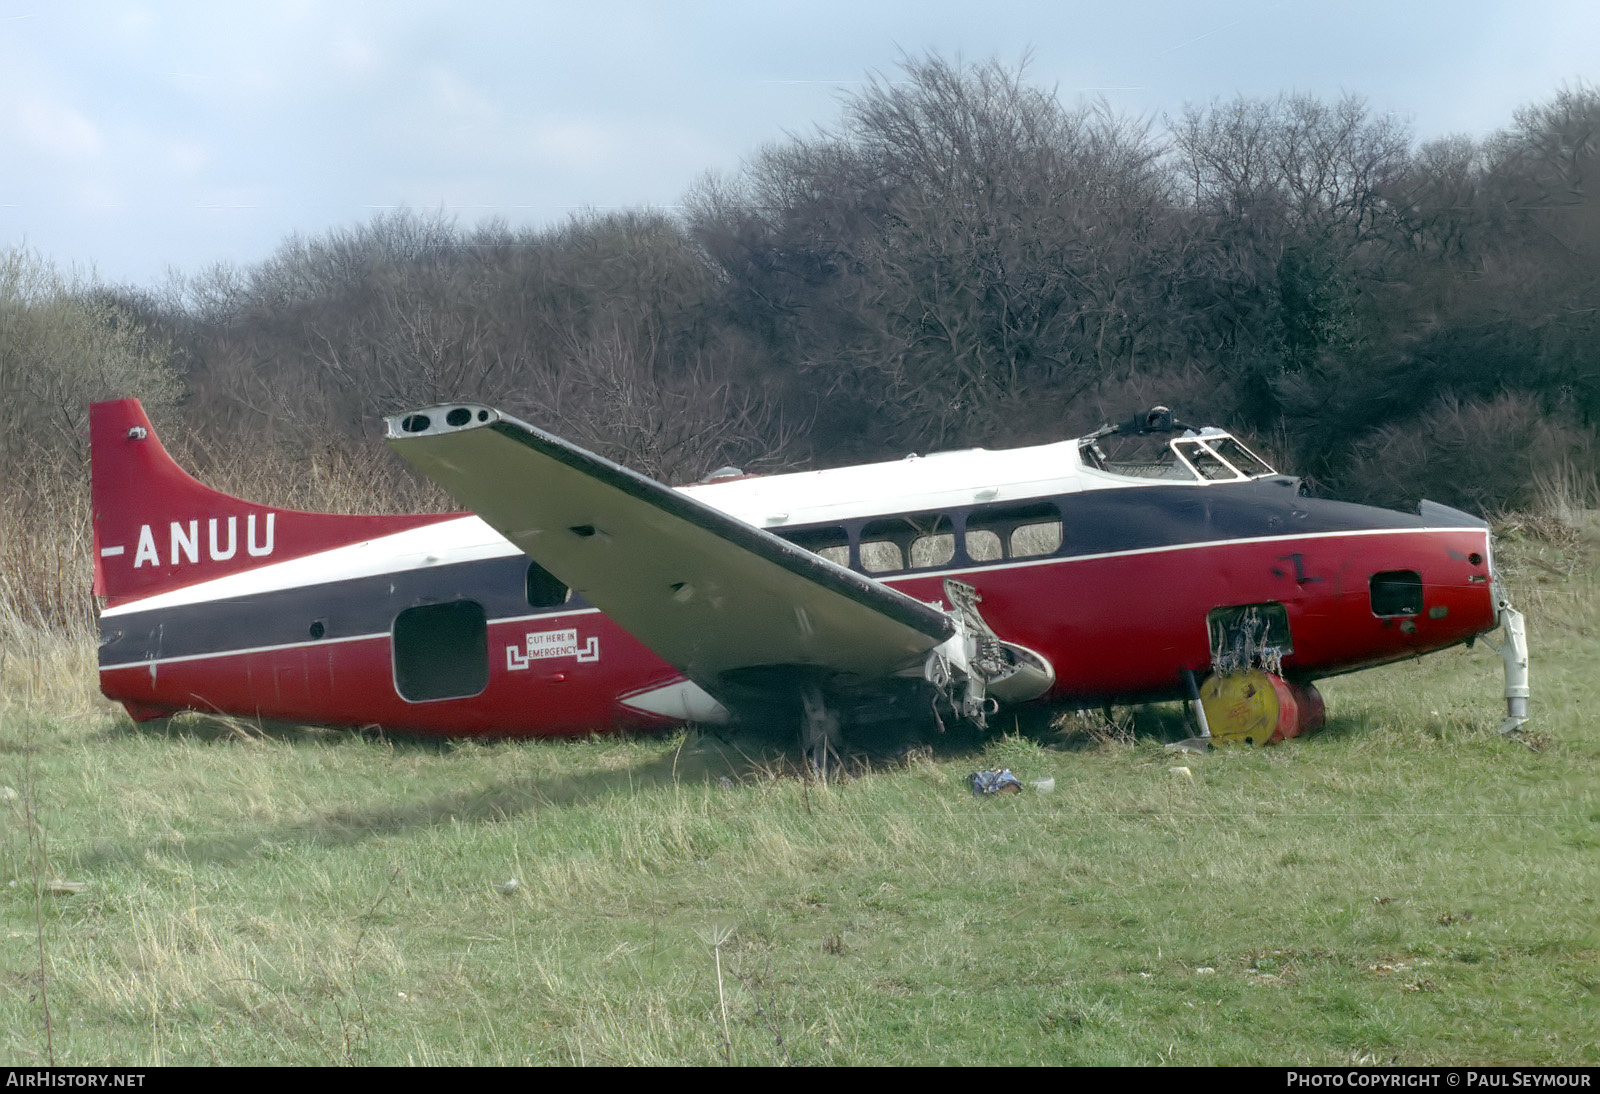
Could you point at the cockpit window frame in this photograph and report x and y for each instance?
(1182, 447)
(1187, 459)
(1215, 444)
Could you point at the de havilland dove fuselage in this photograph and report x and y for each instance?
(583, 597)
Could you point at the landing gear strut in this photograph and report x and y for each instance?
(819, 730)
(1515, 655)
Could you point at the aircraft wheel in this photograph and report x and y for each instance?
(1258, 707)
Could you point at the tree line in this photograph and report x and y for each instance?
(961, 259)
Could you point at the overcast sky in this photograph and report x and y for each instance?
(137, 138)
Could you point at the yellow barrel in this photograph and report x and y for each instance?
(1258, 707)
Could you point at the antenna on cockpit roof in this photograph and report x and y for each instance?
(1158, 419)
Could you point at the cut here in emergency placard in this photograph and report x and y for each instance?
(546, 644)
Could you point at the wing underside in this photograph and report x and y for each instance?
(713, 596)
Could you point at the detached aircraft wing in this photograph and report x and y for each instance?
(708, 593)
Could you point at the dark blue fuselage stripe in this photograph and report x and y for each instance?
(344, 609)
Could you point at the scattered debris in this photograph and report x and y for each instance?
(1182, 772)
(509, 887)
(8, 794)
(995, 782)
(1532, 740)
(1045, 784)
(65, 888)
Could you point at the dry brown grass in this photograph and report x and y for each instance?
(47, 610)
(47, 671)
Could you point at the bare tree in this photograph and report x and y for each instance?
(958, 244)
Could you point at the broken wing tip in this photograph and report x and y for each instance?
(433, 421)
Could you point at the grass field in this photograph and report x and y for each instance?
(1405, 887)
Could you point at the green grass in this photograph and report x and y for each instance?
(1407, 886)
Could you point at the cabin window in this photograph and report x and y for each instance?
(984, 546)
(1024, 531)
(881, 547)
(919, 541)
(1396, 592)
(544, 589)
(832, 544)
(936, 547)
(441, 651)
(1039, 538)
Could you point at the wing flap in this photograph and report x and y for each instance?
(707, 592)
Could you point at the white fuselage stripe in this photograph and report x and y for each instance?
(465, 539)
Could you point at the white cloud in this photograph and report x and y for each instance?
(456, 101)
(218, 198)
(356, 57)
(130, 22)
(465, 122)
(56, 129)
(96, 194)
(186, 157)
(573, 143)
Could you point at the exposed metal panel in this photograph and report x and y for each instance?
(708, 593)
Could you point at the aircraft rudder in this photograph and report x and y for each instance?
(158, 528)
(135, 489)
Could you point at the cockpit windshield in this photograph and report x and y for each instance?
(1247, 462)
(1139, 457)
(1207, 456)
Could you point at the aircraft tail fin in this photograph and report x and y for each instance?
(157, 528)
